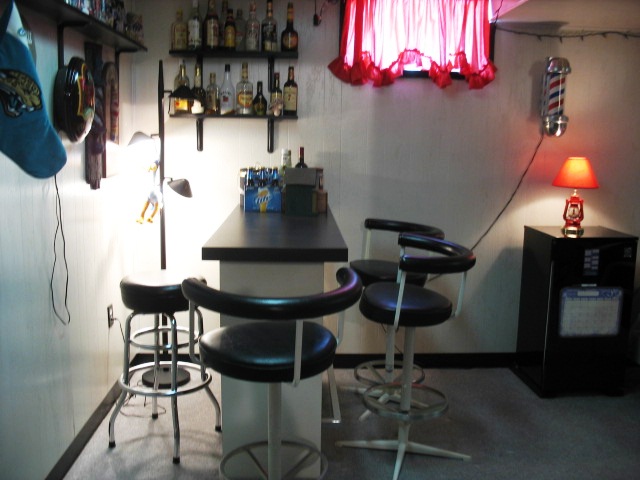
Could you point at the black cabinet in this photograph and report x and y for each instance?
(575, 310)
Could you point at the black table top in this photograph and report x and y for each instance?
(274, 237)
(589, 232)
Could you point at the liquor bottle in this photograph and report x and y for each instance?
(230, 31)
(223, 17)
(211, 27)
(199, 93)
(181, 105)
(194, 28)
(213, 96)
(181, 79)
(227, 93)
(290, 95)
(275, 104)
(259, 102)
(301, 163)
(252, 34)
(289, 37)
(244, 93)
(269, 30)
(241, 27)
(179, 32)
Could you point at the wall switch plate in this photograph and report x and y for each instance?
(110, 319)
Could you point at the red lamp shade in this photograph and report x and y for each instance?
(576, 172)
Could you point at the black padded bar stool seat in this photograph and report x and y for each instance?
(266, 355)
(153, 292)
(420, 307)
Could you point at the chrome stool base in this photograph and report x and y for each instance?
(308, 455)
(373, 373)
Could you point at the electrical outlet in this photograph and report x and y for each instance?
(110, 319)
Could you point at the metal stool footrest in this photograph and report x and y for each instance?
(192, 386)
(372, 373)
(308, 455)
(160, 330)
(426, 402)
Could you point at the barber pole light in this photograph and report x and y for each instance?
(554, 122)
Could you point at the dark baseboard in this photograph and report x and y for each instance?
(61, 468)
(428, 360)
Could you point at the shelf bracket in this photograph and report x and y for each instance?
(270, 123)
(199, 133)
(61, 27)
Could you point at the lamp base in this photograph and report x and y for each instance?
(572, 231)
(164, 377)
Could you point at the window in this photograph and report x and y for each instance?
(381, 39)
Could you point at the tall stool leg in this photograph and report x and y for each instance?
(125, 379)
(275, 431)
(174, 387)
(156, 365)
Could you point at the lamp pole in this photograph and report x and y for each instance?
(163, 248)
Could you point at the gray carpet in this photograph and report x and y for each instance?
(510, 433)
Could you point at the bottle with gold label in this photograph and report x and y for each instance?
(199, 93)
(289, 37)
(213, 96)
(181, 105)
(179, 32)
(290, 95)
(259, 102)
(244, 93)
(275, 103)
(211, 27)
(230, 31)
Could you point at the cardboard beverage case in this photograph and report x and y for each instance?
(263, 199)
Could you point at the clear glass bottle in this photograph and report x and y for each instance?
(194, 28)
(211, 27)
(230, 31)
(290, 95)
(179, 32)
(275, 103)
(199, 93)
(241, 27)
(289, 37)
(252, 33)
(244, 93)
(181, 79)
(269, 29)
(259, 102)
(181, 105)
(301, 163)
(213, 96)
(227, 93)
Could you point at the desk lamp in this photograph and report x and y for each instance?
(576, 172)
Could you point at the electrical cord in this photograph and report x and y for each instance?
(59, 228)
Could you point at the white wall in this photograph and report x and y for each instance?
(449, 157)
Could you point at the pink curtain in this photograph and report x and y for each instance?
(381, 37)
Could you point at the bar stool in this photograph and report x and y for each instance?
(284, 348)
(159, 293)
(399, 304)
(372, 270)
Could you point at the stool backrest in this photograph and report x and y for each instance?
(277, 308)
(397, 226)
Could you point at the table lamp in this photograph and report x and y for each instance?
(576, 172)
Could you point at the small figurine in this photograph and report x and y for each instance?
(155, 195)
